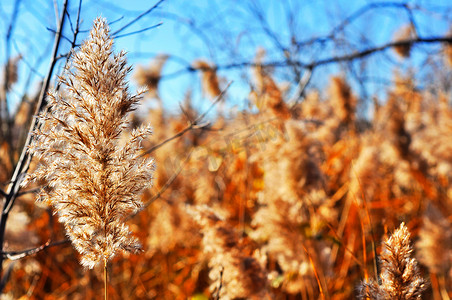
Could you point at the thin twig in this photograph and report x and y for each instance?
(16, 255)
(32, 191)
(138, 31)
(351, 18)
(304, 81)
(372, 236)
(137, 18)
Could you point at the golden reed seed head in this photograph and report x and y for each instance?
(92, 180)
(404, 33)
(210, 82)
(400, 276)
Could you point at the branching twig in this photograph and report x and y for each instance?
(32, 191)
(137, 18)
(138, 31)
(370, 51)
(348, 20)
(321, 62)
(56, 31)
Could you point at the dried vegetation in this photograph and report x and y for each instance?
(279, 202)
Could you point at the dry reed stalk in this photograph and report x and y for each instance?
(435, 241)
(92, 180)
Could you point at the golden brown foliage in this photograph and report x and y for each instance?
(303, 194)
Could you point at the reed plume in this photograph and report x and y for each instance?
(404, 33)
(235, 275)
(435, 241)
(150, 77)
(268, 96)
(400, 277)
(210, 83)
(92, 180)
(447, 50)
(12, 75)
(342, 99)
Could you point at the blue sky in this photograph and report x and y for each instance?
(224, 32)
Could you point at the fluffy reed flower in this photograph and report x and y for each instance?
(404, 33)
(12, 69)
(210, 84)
(293, 190)
(93, 182)
(234, 274)
(268, 96)
(400, 277)
(435, 241)
(342, 99)
(150, 77)
(448, 52)
(171, 227)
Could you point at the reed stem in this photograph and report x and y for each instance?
(105, 280)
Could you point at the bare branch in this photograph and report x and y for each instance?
(326, 61)
(25, 158)
(138, 31)
(56, 31)
(137, 18)
(370, 51)
(351, 18)
(5, 121)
